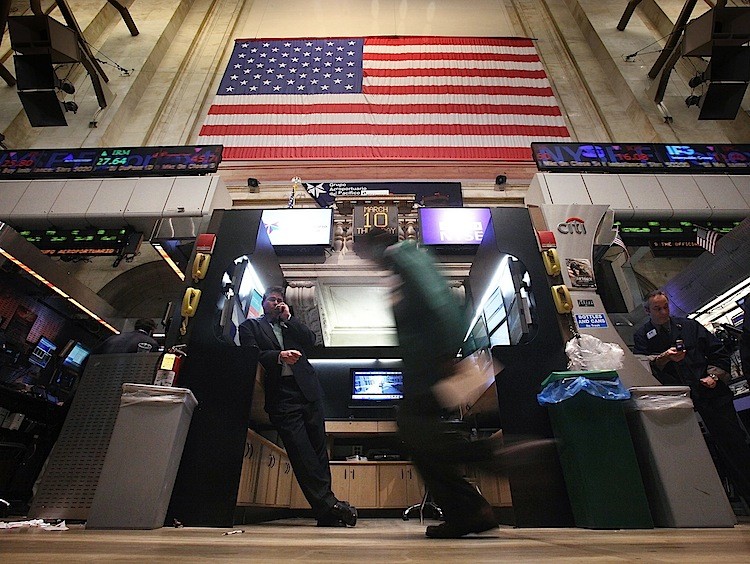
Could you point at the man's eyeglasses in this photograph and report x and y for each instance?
(275, 300)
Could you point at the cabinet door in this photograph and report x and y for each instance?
(392, 482)
(414, 485)
(297, 498)
(249, 474)
(284, 489)
(265, 493)
(340, 481)
(363, 485)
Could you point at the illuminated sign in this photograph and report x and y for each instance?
(380, 215)
(84, 242)
(298, 227)
(641, 157)
(453, 226)
(110, 162)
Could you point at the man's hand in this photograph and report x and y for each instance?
(284, 313)
(671, 354)
(289, 357)
(709, 381)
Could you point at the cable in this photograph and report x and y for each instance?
(638, 52)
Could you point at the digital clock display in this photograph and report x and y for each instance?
(109, 162)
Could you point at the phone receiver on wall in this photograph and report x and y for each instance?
(562, 299)
(189, 305)
(200, 266)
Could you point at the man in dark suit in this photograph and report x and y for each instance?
(294, 403)
(684, 353)
(129, 341)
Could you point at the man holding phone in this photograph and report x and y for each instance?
(684, 353)
(294, 403)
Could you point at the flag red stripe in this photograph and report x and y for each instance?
(432, 40)
(451, 89)
(378, 153)
(509, 57)
(502, 73)
(371, 129)
(499, 109)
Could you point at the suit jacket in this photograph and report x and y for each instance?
(259, 333)
(702, 348)
(125, 343)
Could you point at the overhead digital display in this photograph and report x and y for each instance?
(641, 157)
(110, 162)
(102, 242)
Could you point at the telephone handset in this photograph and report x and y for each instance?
(562, 299)
(190, 302)
(551, 262)
(189, 305)
(200, 266)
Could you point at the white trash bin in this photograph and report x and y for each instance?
(144, 453)
(682, 485)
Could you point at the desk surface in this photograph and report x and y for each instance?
(360, 427)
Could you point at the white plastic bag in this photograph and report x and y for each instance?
(586, 352)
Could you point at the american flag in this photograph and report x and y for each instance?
(473, 98)
(707, 238)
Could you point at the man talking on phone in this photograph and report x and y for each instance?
(684, 353)
(294, 403)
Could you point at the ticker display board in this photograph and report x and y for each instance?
(84, 242)
(109, 162)
(641, 157)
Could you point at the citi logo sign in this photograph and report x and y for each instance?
(572, 225)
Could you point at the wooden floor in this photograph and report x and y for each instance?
(373, 540)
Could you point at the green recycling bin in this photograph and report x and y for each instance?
(586, 410)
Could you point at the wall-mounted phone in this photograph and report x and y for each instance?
(189, 305)
(551, 262)
(200, 266)
(190, 302)
(562, 299)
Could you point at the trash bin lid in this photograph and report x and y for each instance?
(149, 392)
(590, 374)
(637, 391)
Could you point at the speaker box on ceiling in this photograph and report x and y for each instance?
(38, 35)
(722, 100)
(42, 108)
(34, 72)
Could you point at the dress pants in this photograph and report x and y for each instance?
(301, 426)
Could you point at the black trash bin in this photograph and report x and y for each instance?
(600, 468)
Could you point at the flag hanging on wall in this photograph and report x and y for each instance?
(707, 238)
(473, 98)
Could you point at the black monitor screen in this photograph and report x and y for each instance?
(76, 357)
(377, 385)
(42, 353)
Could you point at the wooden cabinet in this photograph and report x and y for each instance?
(286, 477)
(495, 488)
(297, 498)
(356, 483)
(268, 475)
(399, 485)
(250, 467)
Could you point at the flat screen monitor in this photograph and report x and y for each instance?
(42, 352)
(76, 357)
(372, 385)
(299, 227)
(452, 226)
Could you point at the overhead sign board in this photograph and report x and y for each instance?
(641, 157)
(109, 162)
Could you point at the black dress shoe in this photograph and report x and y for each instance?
(330, 522)
(345, 512)
(480, 523)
